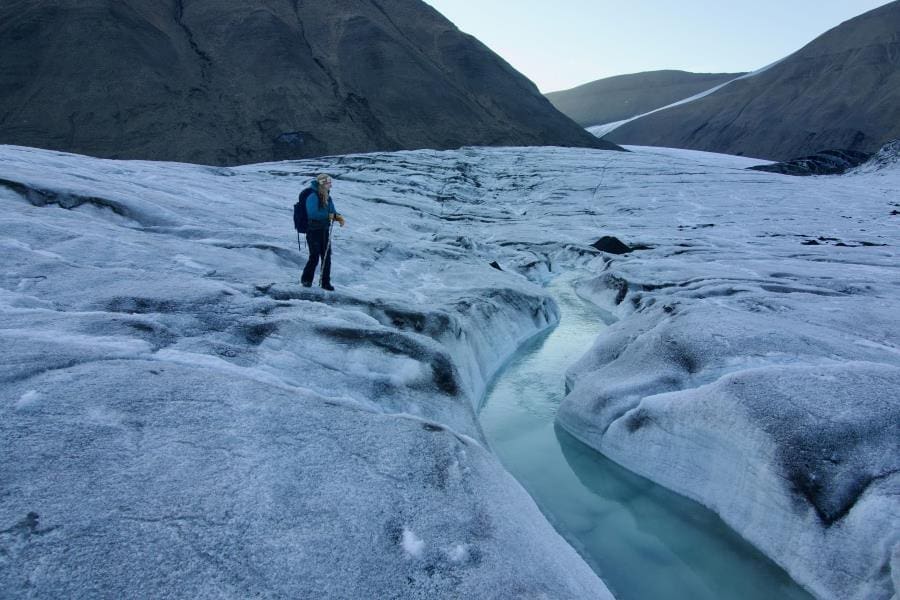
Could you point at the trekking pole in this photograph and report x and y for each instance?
(325, 254)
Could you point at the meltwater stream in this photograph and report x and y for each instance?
(644, 541)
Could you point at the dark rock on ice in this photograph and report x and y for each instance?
(611, 244)
(887, 157)
(827, 162)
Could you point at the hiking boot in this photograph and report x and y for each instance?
(327, 287)
(306, 283)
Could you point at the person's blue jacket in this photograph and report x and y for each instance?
(318, 217)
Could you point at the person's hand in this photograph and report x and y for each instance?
(339, 219)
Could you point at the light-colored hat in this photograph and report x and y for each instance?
(323, 178)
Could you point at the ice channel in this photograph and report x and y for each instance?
(641, 539)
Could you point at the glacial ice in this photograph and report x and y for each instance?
(179, 417)
(761, 377)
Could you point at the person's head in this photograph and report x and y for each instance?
(323, 184)
(324, 180)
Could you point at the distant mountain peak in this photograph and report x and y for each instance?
(624, 96)
(842, 90)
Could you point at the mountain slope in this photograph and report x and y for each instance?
(616, 98)
(228, 82)
(842, 90)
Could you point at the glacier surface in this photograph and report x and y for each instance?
(179, 417)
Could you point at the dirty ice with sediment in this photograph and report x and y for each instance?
(179, 417)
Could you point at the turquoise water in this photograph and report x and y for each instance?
(646, 542)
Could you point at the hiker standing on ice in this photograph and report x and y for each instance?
(321, 212)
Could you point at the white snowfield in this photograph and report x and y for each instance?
(179, 418)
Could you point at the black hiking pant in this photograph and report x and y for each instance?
(317, 241)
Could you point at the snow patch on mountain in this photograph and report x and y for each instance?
(603, 129)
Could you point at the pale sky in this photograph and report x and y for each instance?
(564, 43)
